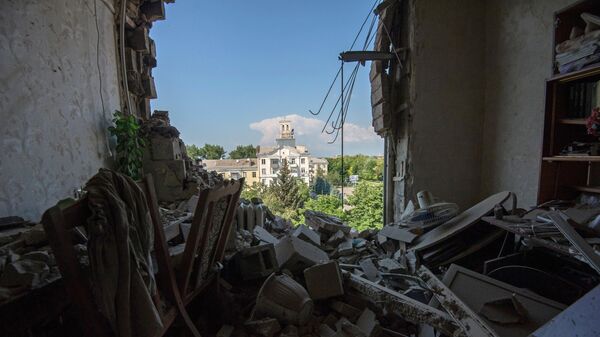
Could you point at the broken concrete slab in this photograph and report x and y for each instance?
(324, 280)
(367, 322)
(325, 331)
(398, 234)
(263, 235)
(308, 235)
(296, 254)
(349, 329)
(345, 310)
(390, 265)
(257, 262)
(371, 272)
(336, 238)
(324, 222)
(267, 327)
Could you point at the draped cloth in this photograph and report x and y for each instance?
(121, 237)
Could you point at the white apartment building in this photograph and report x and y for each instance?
(301, 164)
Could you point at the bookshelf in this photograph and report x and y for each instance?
(570, 97)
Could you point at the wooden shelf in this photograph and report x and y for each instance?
(577, 75)
(572, 121)
(573, 158)
(589, 189)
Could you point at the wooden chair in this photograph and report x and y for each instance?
(205, 245)
(59, 224)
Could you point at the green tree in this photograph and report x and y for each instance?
(366, 206)
(243, 151)
(328, 204)
(257, 190)
(193, 151)
(210, 151)
(286, 195)
(321, 186)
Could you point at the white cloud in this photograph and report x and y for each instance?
(308, 131)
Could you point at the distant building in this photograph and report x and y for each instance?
(235, 169)
(300, 163)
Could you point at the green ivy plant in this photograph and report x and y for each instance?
(130, 144)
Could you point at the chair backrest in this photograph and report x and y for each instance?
(205, 245)
(59, 224)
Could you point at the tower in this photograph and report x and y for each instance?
(286, 134)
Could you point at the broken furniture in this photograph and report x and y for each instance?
(59, 224)
(206, 242)
(507, 310)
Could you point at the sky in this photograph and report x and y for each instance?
(229, 70)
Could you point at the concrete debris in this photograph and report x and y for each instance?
(256, 262)
(263, 235)
(267, 327)
(296, 254)
(324, 280)
(308, 235)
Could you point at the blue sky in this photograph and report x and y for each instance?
(229, 70)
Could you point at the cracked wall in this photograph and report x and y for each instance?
(52, 75)
(518, 58)
(477, 93)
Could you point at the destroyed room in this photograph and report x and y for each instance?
(373, 168)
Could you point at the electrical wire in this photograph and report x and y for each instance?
(338, 73)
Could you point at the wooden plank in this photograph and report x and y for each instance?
(579, 243)
(573, 158)
(410, 309)
(470, 322)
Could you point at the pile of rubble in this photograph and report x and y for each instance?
(26, 261)
(165, 157)
(459, 276)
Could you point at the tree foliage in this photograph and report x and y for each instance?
(366, 206)
(321, 186)
(243, 151)
(328, 204)
(210, 151)
(366, 167)
(193, 151)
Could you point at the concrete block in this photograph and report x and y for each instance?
(349, 329)
(149, 87)
(308, 235)
(325, 331)
(398, 234)
(263, 235)
(164, 148)
(345, 310)
(137, 39)
(336, 238)
(324, 280)
(257, 262)
(390, 265)
(367, 322)
(296, 254)
(153, 10)
(368, 267)
(267, 327)
(345, 248)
